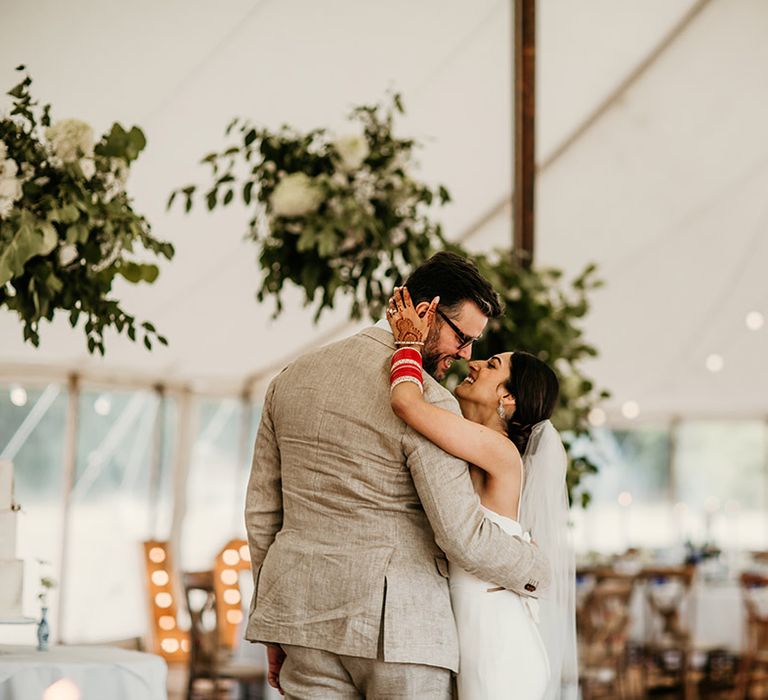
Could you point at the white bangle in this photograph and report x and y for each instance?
(410, 342)
(400, 380)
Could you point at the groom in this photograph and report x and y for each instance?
(351, 514)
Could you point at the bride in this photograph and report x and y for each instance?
(510, 646)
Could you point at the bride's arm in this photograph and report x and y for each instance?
(472, 442)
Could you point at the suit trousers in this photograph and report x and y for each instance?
(314, 673)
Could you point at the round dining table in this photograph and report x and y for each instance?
(80, 673)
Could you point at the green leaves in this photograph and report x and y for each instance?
(30, 239)
(77, 233)
(119, 143)
(67, 214)
(135, 272)
(68, 236)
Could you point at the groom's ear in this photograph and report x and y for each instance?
(421, 308)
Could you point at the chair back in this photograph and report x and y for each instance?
(603, 621)
(754, 591)
(667, 595)
(203, 631)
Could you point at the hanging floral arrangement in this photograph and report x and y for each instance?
(330, 214)
(67, 225)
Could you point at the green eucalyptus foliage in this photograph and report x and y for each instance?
(71, 228)
(357, 221)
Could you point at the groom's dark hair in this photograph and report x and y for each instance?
(454, 279)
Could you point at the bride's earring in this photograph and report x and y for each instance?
(500, 410)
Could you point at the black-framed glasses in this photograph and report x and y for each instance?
(464, 339)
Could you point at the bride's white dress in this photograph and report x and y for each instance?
(502, 655)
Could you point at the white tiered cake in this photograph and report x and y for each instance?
(11, 568)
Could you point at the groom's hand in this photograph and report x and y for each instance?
(275, 658)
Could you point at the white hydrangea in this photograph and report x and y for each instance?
(27, 172)
(352, 150)
(87, 167)
(6, 206)
(400, 161)
(8, 168)
(10, 185)
(71, 139)
(3, 150)
(397, 237)
(10, 188)
(364, 186)
(67, 254)
(295, 195)
(115, 178)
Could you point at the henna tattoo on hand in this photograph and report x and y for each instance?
(406, 331)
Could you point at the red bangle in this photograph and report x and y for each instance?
(406, 372)
(406, 353)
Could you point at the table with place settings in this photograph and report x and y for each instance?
(99, 673)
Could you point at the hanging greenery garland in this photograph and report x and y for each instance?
(67, 226)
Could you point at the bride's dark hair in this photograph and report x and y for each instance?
(535, 388)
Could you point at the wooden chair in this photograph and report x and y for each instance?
(207, 659)
(603, 620)
(753, 670)
(668, 647)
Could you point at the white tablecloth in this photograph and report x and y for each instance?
(101, 673)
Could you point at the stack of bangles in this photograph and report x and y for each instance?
(406, 367)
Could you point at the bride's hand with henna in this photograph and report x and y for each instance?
(406, 323)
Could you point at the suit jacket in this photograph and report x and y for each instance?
(350, 515)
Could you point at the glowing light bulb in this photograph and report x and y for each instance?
(18, 395)
(232, 596)
(103, 405)
(166, 622)
(170, 646)
(630, 410)
(230, 557)
(234, 617)
(160, 577)
(157, 555)
(163, 600)
(229, 577)
(715, 362)
(755, 320)
(245, 553)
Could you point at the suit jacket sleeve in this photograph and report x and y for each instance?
(264, 498)
(470, 540)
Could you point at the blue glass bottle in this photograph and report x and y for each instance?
(43, 631)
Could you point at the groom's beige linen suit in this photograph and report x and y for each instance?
(350, 515)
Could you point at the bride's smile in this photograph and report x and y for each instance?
(483, 391)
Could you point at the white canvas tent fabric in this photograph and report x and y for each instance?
(654, 164)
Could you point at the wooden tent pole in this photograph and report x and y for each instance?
(524, 151)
